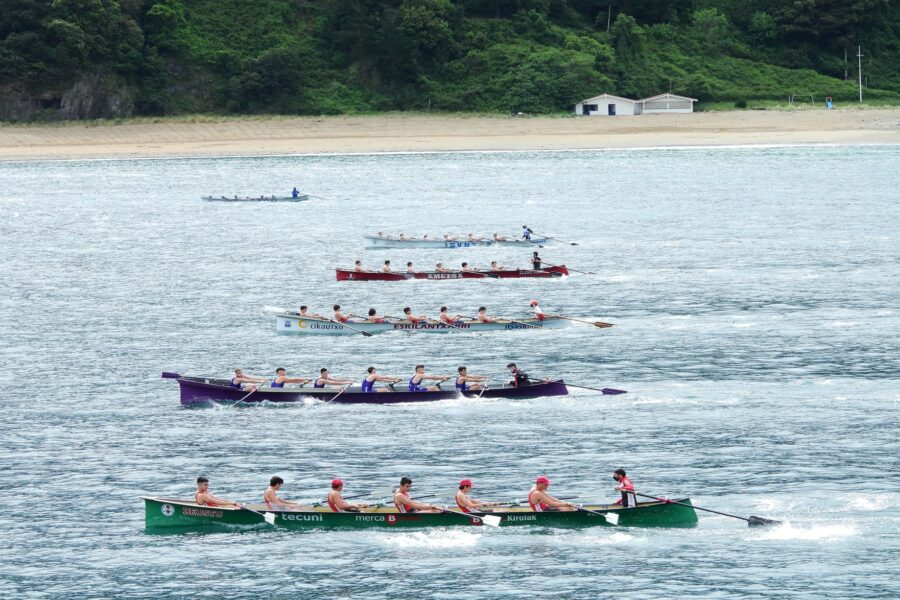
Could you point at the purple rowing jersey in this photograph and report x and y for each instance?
(415, 387)
(277, 385)
(236, 386)
(317, 385)
(463, 387)
(367, 386)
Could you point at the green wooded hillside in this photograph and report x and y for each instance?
(103, 58)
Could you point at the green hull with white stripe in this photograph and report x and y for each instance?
(163, 514)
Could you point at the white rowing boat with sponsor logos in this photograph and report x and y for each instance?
(291, 323)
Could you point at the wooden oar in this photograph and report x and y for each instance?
(347, 387)
(599, 324)
(611, 518)
(604, 391)
(268, 517)
(259, 385)
(751, 520)
(555, 239)
(490, 520)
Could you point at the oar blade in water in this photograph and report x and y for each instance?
(611, 518)
(270, 518)
(602, 324)
(613, 391)
(761, 522)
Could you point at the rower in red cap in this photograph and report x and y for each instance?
(541, 501)
(337, 503)
(628, 499)
(467, 504)
(538, 313)
(405, 504)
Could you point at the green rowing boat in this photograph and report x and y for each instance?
(167, 514)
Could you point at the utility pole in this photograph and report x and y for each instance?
(859, 58)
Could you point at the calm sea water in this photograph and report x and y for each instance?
(756, 294)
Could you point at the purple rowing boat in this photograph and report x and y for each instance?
(205, 390)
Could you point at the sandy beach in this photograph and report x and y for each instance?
(417, 132)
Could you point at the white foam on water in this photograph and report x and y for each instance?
(451, 538)
(618, 278)
(873, 502)
(743, 325)
(815, 533)
(841, 324)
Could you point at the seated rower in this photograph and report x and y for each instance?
(472, 238)
(358, 267)
(281, 378)
(536, 309)
(495, 266)
(270, 496)
(407, 314)
(520, 377)
(421, 376)
(339, 316)
(467, 504)
(405, 504)
(387, 267)
(467, 269)
(499, 238)
(403, 236)
(323, 379)
(482, 315)
(374, 317)
(240, 380)
(295, 193)
(336, 501)
(368, 383)
(450, 238)
(439, 268)
(303, 313)
(446, 318)
(463, 379)
(541, 501)
(536, 261)
(204, 498)
(381, 235)
(409, 267)
(626, 488)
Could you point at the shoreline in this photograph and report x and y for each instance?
(399, 133)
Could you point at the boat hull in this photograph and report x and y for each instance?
(203, 391)
(301, 198)
(351, 275)
(169, 514)
(291, 324)
(373, 242)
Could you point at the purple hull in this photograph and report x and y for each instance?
(201, 390)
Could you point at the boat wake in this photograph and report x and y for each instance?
(814, 533)
(447, 538)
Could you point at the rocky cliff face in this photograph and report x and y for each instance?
(92, 96)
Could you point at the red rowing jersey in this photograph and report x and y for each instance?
(400, 506)
(332, 505)
(465, 509)
(540, 507)
(197, 500)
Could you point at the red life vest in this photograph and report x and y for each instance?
(541, 507)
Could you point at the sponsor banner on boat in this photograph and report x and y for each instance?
(521, 517)
(190, 511)
(300, 517)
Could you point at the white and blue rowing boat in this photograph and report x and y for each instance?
(300, 198)
(374, 242)
(291, 323)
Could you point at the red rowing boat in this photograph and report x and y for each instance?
(351, 275)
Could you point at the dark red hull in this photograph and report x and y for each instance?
(350, 275)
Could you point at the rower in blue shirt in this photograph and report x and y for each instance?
(295, 193)
(526, 233)
(281, 378)
(420, 376)
(368, 384)
(463, 379)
